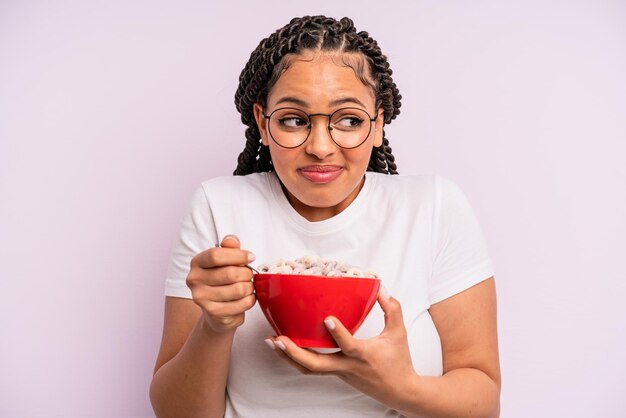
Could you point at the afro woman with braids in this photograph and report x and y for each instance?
(317, 176)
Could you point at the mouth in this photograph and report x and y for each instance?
(320, 173)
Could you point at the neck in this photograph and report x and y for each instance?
(316, 214)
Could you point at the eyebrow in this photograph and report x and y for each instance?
(336, 102)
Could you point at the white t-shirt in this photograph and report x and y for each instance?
(419, 234)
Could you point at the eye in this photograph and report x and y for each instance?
(348, 122)
(292, 122)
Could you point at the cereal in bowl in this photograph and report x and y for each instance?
(314, 266)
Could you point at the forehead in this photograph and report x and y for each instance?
(319, 78)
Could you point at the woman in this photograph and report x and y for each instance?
(315, 96)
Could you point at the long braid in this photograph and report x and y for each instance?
(314, 33)
(382, 159)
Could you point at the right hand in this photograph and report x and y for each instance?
(221, 284)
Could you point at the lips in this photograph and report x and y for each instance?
(321, 173)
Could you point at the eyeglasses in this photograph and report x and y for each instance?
(348, 127)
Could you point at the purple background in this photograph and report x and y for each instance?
(111, 113)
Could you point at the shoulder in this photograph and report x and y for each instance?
(250, 180)
(402, 187)
(224, 186)
(232, 191)
(422, 183)
(399, 181)
(425, 190)
(449, 195)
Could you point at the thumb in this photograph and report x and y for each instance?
(392, 309)
(230, 241)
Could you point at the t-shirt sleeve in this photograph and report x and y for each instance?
(197, 233)
(460, 252)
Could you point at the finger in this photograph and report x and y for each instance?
(217, 257)
(218, 276)
(230, 292)
(288, 359)
(392, 310)
(312, 362)
(226, 309)
(230, 241)
(349, 345)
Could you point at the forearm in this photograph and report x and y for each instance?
(459, 393)
(193, 383)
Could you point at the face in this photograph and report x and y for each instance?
(316, 84)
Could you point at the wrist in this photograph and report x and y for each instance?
(410, 397)
(209, 328)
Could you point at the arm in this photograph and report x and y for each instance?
(470, 385)
(192, 365)
(381, 367)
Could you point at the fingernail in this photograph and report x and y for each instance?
(280, 345)
(384, 292)
(232, 237)
(270, 343)
(251, 257)
(329, 324)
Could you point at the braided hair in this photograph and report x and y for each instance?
(267, 62)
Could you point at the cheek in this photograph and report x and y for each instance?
(360, 157)
(281, 159)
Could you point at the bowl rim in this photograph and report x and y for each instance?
(308, 276)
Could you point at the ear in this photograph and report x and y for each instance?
(378, 127)
(261, 122)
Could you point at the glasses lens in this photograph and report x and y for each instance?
(289, 127)
(350, 127)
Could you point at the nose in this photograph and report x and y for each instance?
(319, 143)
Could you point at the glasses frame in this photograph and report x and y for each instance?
(328, 127)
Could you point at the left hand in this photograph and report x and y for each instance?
(379, 367)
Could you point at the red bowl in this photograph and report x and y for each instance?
(296, 305)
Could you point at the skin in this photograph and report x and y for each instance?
(316, 84)
(192, 365)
